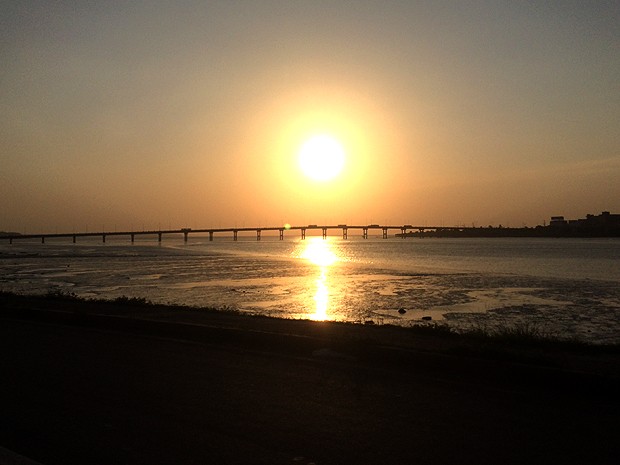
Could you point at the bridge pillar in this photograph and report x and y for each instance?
(403, 232)
(303, 233)
(258, 231)
(281, 234)
(132, 237)
(103, 238)
(42, 239)
(235, 234)
(324, 233)
(385, 233)
(159, 237)
(74, 239)
(211, 235)
(10, 240)
(365, 233)
(345, 233)
(185, 234)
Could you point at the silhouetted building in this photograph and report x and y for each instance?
(558, 221)
(605, 224)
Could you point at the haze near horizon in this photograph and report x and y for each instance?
(147, 115)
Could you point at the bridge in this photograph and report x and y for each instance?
(344, 228)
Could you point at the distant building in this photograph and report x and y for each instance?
(605, 224)
(557, 221)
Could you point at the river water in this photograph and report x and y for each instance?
(568, 288)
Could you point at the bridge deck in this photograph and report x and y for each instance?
(235, 230)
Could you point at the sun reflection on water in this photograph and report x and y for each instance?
(321, 298)
(320, 252)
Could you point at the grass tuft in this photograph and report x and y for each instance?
(58, 293)
(137, 301)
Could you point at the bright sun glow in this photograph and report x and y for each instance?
(318, 252)
(321, 158)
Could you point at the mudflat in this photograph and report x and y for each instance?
(95, 382)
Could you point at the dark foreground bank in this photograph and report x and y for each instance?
(90, 382)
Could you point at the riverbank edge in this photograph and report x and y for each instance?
(346, 341)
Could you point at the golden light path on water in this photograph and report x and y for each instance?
(319, 252)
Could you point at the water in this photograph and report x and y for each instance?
(563, 287)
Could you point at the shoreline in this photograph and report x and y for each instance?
(513, 346)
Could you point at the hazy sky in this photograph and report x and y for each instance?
(149, 114)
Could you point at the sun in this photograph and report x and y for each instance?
(321, 158)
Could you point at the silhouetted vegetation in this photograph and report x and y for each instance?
(138, 301)
(522, 334)
(58, 293)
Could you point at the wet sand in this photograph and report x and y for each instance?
(86, 382)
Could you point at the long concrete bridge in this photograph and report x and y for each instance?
(344, 228)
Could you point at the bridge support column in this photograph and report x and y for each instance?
(235, 235)
(132, 237)
(324, 233)
(103, 238)
(74, 239)
(281, 234)
(385, 233)
(303, 233)
(159, 237)
(42, 239)
(10, 240)
(258, 231)
(365, 233)
(345, 233)
(185, 234)
(211, 236)
(403, 232)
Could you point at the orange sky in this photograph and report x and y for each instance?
(156, 115)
